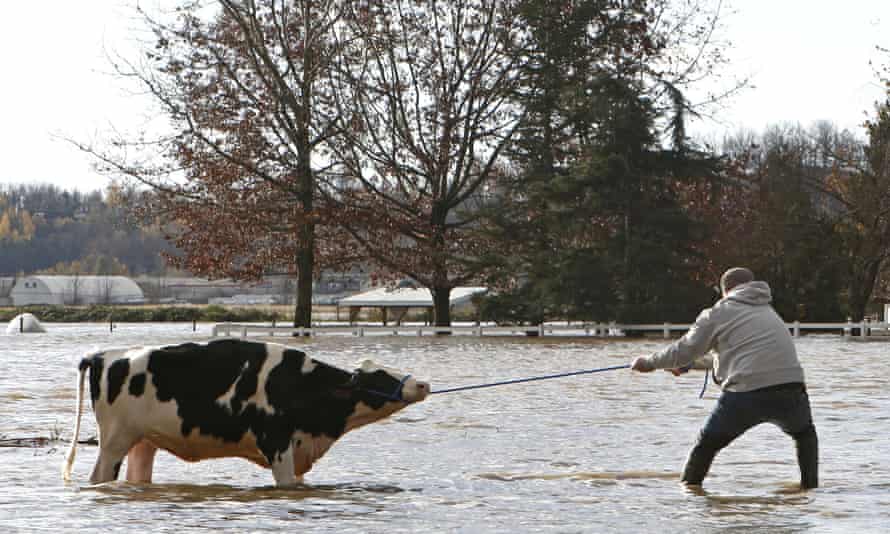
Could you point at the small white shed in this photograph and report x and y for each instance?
(75, 290)
(400, 299)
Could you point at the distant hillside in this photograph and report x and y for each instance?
(44, 228)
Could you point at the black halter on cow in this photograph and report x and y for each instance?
(264, 402)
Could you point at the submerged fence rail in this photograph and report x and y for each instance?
(846, 329)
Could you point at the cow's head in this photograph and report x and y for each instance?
(380, 392)
(389, 384)
(375, 381)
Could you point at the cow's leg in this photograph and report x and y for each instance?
(308, 449)
(283, 468)
(140, 461)
(302, 463)
(113, 446)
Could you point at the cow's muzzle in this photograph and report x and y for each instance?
(415, 391)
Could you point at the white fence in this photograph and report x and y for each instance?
(847, 329)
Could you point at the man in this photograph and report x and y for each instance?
(756, 365)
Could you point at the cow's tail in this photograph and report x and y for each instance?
(72, 450)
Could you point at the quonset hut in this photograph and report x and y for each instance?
(76, 290)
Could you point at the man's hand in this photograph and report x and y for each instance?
(641, 365)
(680, 370)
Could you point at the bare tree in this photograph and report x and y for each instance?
(75, 285)
(105, 287)
(244, 87)
(426, 112)
(858, 188)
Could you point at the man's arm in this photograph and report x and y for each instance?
(703, 363)
(685, 351)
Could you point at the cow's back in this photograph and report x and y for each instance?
(211, 385)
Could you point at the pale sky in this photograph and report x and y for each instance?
(809, 61)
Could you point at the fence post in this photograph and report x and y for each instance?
(22, 324)
(667, 330)
(848, 329)
(863, 330)
(541, 330)
(796, 328)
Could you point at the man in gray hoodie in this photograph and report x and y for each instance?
(755, 363)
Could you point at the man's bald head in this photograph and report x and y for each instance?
(734, 277)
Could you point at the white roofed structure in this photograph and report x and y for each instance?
(76, 290)
(402, 298)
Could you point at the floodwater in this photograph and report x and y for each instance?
(591, 453)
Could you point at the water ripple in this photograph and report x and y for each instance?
(599, 453)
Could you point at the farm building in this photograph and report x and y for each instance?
(75, 290)
(398, 300)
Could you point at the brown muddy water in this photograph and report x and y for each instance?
(591, 453)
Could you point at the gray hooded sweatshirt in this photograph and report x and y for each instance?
(752, 344)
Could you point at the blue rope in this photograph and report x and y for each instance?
(520, 380)
(394, 396)
(705, 385)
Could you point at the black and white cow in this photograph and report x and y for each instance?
(264, 402)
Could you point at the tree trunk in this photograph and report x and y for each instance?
(305, 267)
(857, 306)
(441, 306)
(859, 297)
(306, 241)
(862, 288)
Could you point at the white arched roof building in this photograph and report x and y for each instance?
(74, 290)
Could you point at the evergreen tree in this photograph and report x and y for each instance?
(651, 249)
(591, 225)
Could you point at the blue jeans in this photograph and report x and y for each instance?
(785, 405)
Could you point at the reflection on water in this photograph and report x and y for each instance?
(596, 453)
(112, 492)
(626, 475)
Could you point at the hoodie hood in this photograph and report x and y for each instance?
(756, 293)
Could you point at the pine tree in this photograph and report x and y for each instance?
(591, 225)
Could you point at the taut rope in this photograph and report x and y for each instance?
(532, 379)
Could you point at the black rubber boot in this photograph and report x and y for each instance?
(807, 443)
(700, 459)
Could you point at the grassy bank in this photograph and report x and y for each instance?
(143, 314)
(157, 313)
